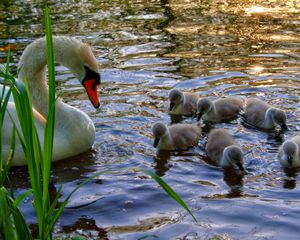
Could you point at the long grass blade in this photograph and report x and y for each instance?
(3, 107)
(6, 227)
(20, 227)
(31, 146)
(7, 166)
(12, 222)
(169, 191)
(21, 197)
(50, 124)
(5, 69)
(3, 104)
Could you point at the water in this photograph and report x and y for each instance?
(144, 49)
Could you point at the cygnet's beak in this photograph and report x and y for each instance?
(240, 166)
(199, 115)
(290, 161)
(90, 83)
(284, 127)
(171, 106)
(156, 141)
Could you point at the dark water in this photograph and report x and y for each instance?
(144, 49)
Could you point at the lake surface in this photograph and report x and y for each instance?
(144, 49)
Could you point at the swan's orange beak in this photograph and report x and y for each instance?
(90, 83)
(91, 87)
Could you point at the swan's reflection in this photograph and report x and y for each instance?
(161, 162)
(176, 118)
(180, 118)
(68, 170)
(275, 138)
(290, 179)
(235, 181)
(87, 225)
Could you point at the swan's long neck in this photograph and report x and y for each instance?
(71, 124)
(225, 161)
(211, 113)
(213, 110)
(38, 88)
(179, 107)
(167, 139)
(269, 122)
(32, 68)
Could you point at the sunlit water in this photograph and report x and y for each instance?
(144, 49)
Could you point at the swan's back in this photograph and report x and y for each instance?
(228, 108)
(255, 111)
(184, 135)
(190, 105)
(218, 140)
(183, 103)
(296, 139)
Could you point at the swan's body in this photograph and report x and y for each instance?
(223, 150)
(175, 137)
(289, 153)
(74, 130)
(182, 103)
(262, 115)
(223, 109)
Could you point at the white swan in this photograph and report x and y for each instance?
(74, 130)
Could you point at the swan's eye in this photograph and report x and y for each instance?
(90, 74)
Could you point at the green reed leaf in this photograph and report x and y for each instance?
(169, 191)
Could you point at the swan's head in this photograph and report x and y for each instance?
(289, 153)
(77, 57)
(204, 105)
(175, 98)
(84, 66)
(233, 157)
(158, 130)
(69, 52)
(279, 117)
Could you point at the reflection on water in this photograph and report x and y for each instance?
(144, 49)
(290, 179)
(161, 164)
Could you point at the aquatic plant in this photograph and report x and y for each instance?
(12, 222)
